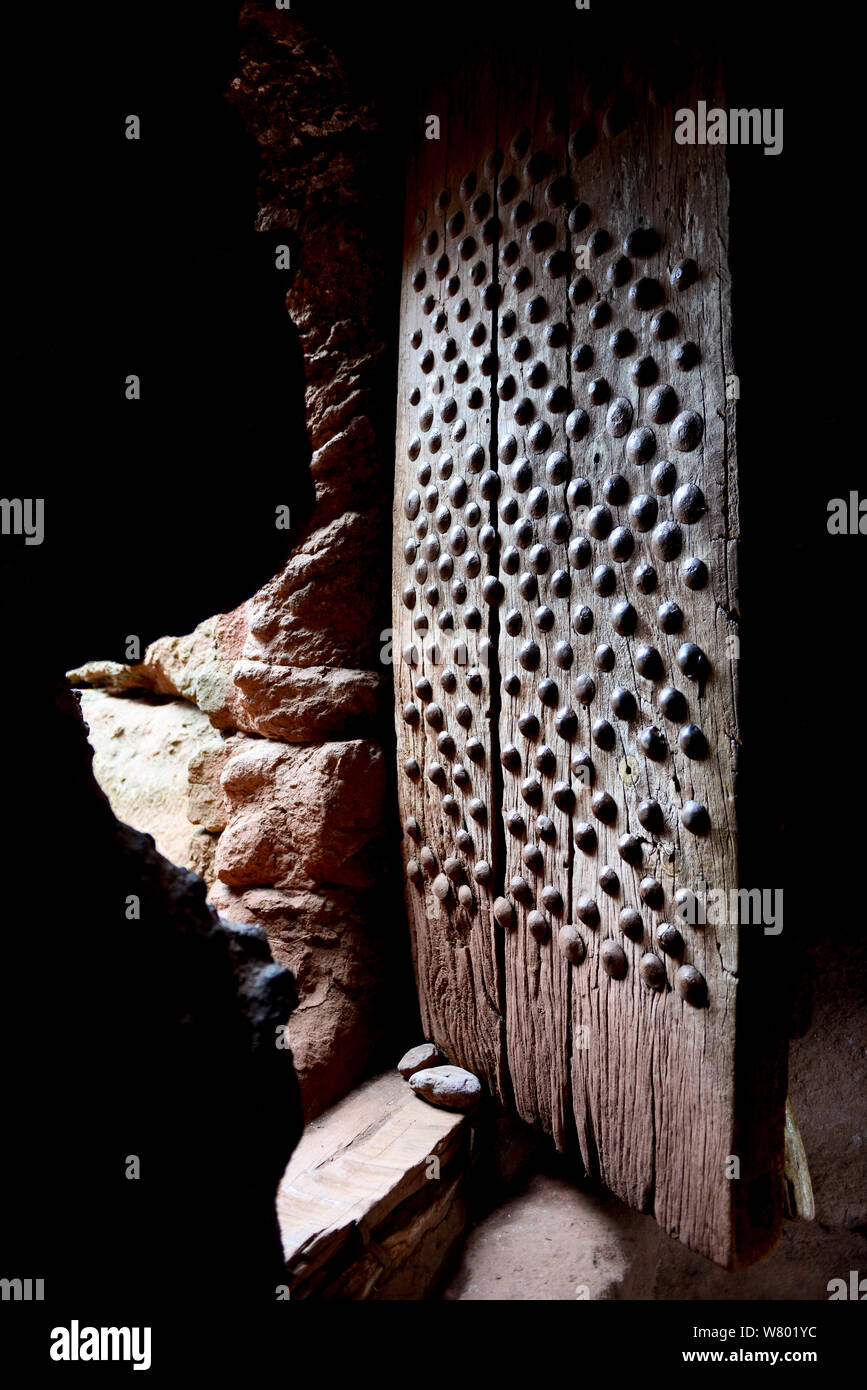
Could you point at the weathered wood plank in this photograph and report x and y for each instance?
(614, 758)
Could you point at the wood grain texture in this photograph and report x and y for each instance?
(640, 1083)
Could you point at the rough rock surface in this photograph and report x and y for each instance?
(450, 1088)
(292, 829)
(145, 748)
(425, 1055)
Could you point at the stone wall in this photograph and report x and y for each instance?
(293, 802)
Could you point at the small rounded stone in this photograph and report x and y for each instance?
(613, 958)
(695, 818)
(571, 944)
(652, 971)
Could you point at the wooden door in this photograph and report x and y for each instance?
(566, 651)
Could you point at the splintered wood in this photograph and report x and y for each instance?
(565, 642)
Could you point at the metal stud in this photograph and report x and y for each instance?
(669, 939)
(651, 892)
(609, 881)
(504, 913)
(691, 985)
(692, 741)
(613, 958)
(669, 615)
(641, 445)
(585, 836)
(695, 574)
(587, 911)
(667, 541)
(604, 807)
(685, 431)
(571, 944)
(695, 818)
(631, 924)
(652, 971)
